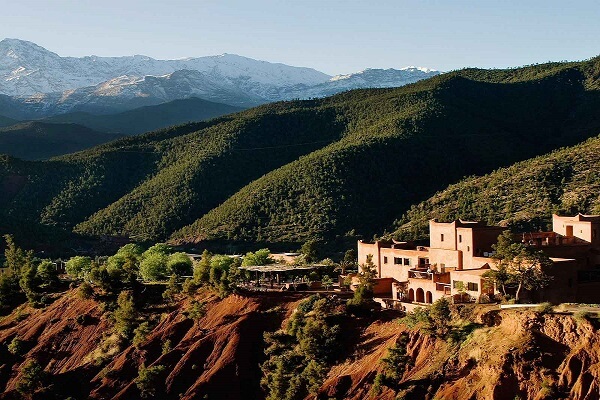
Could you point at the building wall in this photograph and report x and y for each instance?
(452, 259)
(473, 277)
(585, 228)
(364, 249)
(448, 230)
(399, 271)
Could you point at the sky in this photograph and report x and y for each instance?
(332, 36)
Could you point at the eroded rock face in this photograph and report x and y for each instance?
(518, 355)
(514, 353)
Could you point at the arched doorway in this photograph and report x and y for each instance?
(411, 295)
(429, 297)
(420, 296)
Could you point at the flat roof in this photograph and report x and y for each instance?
(477, 271)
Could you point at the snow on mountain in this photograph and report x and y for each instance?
(27, 69)
(38, 83)
(369, 78)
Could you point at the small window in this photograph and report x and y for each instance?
(407, 261)
(397, 261)
(442, 237)
(468, 248)
(442, 268)
(472, 286)
(459, 238)
(384, 260)
(457, 284)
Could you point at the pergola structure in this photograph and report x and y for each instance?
(277, 271)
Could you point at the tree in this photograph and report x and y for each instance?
(27, 280)
(124, 265)
(440, 316)
(179, 264)
(47, 273)
(327, 282)
(397, 360)
(363, 294)
(15, 256)
(523, 265)
(309, 250)
(148, 379)
(9, 290)
(202, 267)
(125, 314)
(172, 289)
(500, 277)
(196, 310)
(260, 257)
(154, 267)
(78, 266)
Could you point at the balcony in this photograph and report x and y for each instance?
(420, 273)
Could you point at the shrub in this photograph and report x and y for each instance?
(377, 383)
(189, 287)
(141, 333)
(16, 346)
(85, 291)
(307, 305)
(415, 318)
(148, 380)
(327, 282)
(583, 315)
(166, 347)
(32, 377)
(545, 308)
(10, 293)
(196, 310)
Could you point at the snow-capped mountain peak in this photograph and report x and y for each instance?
(44, 83)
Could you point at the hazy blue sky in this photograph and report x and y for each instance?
(329, 35)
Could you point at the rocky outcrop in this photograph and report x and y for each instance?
(512, 354)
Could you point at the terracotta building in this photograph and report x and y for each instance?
(460, 253)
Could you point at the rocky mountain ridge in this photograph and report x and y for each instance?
(39, 83)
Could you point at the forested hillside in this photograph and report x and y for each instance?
(406, 144)
(5, 121)
(42, 140)
(525, 195)
(149, 118)
(285, 172)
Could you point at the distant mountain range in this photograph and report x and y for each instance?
(37, 83)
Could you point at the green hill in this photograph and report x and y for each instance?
(326, 169)
(524, 195)
(149, 118)
(41, 140)
(405, 145)
(5, 121)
